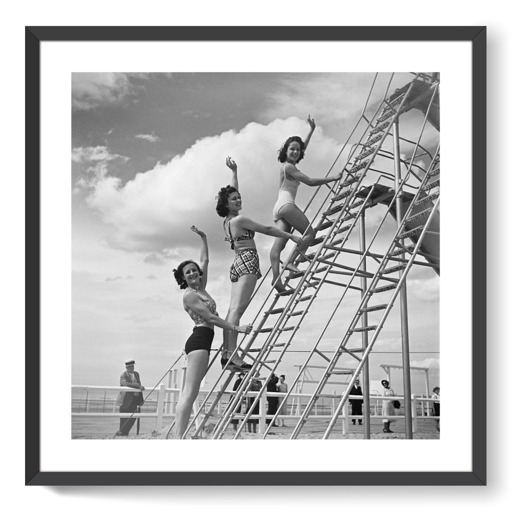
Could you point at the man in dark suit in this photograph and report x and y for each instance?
(357, 405)
(129, 401)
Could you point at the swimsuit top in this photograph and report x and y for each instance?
(289, 185)
(249, 235)
(196, 317)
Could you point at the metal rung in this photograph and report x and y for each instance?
(285, 293)
(434, 172)
(390, 270)
(411, 232)
(302, 272)
(318, 240)
(431, 185)
(417, 216)
(341, 372)
(364, 154)
(427, 199)
(384, 288)
(364, 329)
(343, 228)
(325, 258)
(352, 350)
(349, 216)
(395, 102)
(342, 195)
(380, 128)
(357, 204)
(271, 329)
(306, 297)
(378, 307)
(324, 225)
(277, 345)
(274, 311)
(373, 140)
(334, 209)
(295, 313)
(360, 166)
(385, 116)
(349, 181)
(402, 250)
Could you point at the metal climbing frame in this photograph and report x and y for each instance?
(338, 216)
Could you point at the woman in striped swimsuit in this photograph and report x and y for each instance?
(202, 309)
(245, 270)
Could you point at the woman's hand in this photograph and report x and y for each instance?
(231, 164)
(246, 329)
(311, 123)
(202, 234)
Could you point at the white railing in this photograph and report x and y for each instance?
(167, 398)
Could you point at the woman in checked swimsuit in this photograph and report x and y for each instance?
(286, 213)
(202, 309)
(245, 270)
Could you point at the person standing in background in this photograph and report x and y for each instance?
(357, 405)
(129, 401)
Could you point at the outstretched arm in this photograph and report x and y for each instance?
(312, 127)
(247, 223)
(292, 171)
(234, 178)
(203, 255)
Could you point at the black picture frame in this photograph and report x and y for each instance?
(34, 36)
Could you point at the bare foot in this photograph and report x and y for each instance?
(279, 286)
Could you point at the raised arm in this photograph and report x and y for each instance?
(203, 255)
(246, 223)
(197, 306)
(234, 177)
(292, 171)
(312, 127)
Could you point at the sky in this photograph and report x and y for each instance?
(148, 158)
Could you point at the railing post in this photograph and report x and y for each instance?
(263, 412)
(344, 421)
(414, 415)
(160, 407)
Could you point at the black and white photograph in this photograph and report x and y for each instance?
(255, 245)
(243, 275)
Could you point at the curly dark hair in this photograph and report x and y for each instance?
(178, 273)
(222, 200)
(282, 152)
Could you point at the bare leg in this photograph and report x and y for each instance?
(275, 254)
(295, 218)
(241, 293)
(197, 364)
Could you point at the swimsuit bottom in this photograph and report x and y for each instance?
(246, 262)
(284, 198)
(200, 339)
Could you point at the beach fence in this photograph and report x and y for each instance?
(95, 411)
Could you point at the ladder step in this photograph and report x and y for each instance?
(426, 199)
(318, 240)
(275, 311)
(432, 184)
(412, 232)
(395, 102)
(343, 228)
(402, 250)
(327, 257)
(364, 154)
(259, 349)
(324, 225)
(286, 292)
(352, 179)
(341, 372)
(360, 166)
(373, 140)
(385, 116)
(380, 128)
(352, 350)
(384, 288)
(306, 297)
(434, 172)
(396, 268)
(271, 329)
(295, 313)
(364, 329)
(341, 196)
(334, 209)
(349, 216)
(420, 215)
(356, 204)
(377, 307)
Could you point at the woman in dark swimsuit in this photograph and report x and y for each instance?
(245, 270)
(202, 309)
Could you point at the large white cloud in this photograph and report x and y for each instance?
(154, 210)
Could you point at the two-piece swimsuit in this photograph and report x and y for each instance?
(202, 336)
(287, 194)
(246, 260)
